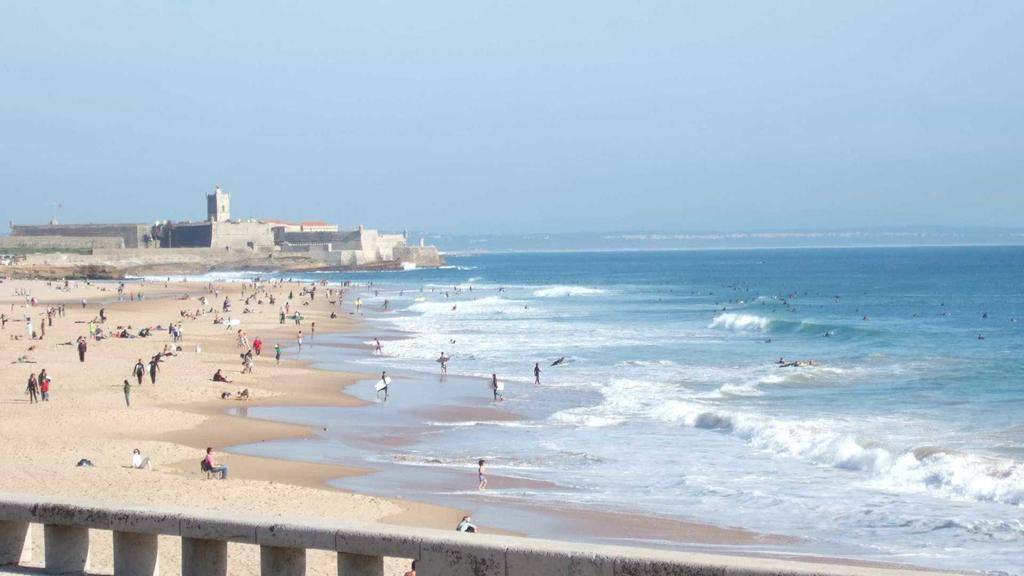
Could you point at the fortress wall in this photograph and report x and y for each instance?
(424, 256)
(60, 242)
(133, 234)
(190, 235)
(242, 236)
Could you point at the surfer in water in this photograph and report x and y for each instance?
(382, 386)
(559, 361)
(496, 388)
(377, 347)
(536, 373)
(443, 360)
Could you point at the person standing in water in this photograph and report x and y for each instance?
(299, 339)
(480, 475)
(444, 363)
(495, 388)
(536, 373)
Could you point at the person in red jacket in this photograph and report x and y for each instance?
(44, 386)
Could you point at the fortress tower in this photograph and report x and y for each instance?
(218, 206)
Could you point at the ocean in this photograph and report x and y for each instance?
(898, 436)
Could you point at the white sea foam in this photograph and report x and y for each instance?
(487, 305)
(734, 321)
(945, 474)
(563, 291)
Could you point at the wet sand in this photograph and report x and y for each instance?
(174, 420)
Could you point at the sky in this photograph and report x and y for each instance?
(482, 116)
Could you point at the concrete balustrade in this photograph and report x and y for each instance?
(15, 543)
(361, 548)
(66, 549)
(203, 557)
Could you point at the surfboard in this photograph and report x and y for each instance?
(500, 386)
(382, 383)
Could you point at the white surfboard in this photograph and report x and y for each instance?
(382, 383)
(500, 386)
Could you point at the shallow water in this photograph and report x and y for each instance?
(904, 442)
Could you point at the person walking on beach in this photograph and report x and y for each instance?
(33, 389)
(277, 354)
(82, 346)
(480, 475)
(386, 382)
(44, 385)
(299, 339)
(154, 367)
(496, 388)
(127, 393)
(211, 465)
(139, 371)
(536, 373)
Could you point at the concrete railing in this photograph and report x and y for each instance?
(361, 548)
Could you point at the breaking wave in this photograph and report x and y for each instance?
(563, 291)
(733, 321)
(949, 474)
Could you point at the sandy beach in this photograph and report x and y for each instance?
(173, 420)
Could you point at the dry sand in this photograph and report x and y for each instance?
(172, 421)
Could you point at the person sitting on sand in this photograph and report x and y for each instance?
(225, 395)
(243, 395)
(218, 376)
(466, 525)
(212, 466)
(140, 462)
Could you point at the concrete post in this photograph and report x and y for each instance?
(359, 565)
(204, 557)
(15, 543)
(276, 561)
(136, 554)
(66, 549)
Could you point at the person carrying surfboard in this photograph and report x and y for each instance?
(496, 388)
(382, 384)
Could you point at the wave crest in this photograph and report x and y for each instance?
(564, 291)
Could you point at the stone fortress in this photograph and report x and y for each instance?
(215, 244)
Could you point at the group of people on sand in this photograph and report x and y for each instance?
(38, 389)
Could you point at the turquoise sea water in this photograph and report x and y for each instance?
(904, 441)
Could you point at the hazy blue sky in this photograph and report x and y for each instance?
(541, 116)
